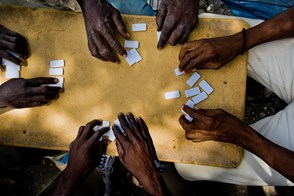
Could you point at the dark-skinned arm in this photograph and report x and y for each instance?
(23, 93)
(219, 125)
(215, 52)
(102, 24)
(137, 153)
(84, 156)
(176, 19)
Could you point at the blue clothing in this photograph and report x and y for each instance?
(135, 7)
(258, 9)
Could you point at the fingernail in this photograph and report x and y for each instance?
(56, 80)
(128, 35)
(129, 113)
(125, 55)
(61, 90)
(120, 114)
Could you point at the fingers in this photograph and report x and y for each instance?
(15, 45)
(187, 126)
(135, 125)
(103, 47)
(191, 60)
(41, 80)
(176, 35)
(118, 134)
(6, 55)
(34, 104)
(81, 129)
(166, 32)
(120, 25)
(125, 125)
(161, 17)
(94, 50)
(88, 131)
(184, 37)
(44, 90)
(110, 38)
(42, 98)
(98, 134)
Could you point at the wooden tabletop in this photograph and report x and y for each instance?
(97, 89)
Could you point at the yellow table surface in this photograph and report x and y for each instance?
(97, 89)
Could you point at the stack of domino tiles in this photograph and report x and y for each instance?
(133, 55)
(194, 92)
(12, 70)
(56, 69)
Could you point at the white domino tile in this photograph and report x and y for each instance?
(178, 72)
(190, 103)
(56, 71)
(135, 54)
(200, 97)
(105, 124)
(12, 74)
(130, 59)
(60, 82)
(131, 44)
(133, 57)
(206, 87)
(192, 92)
(110, 134)
(158, 35)
(56, 63)
(172, 94)
(139, 27)
(193, 79)
(96, 128)
(12, 69)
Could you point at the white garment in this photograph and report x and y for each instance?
(272, 65)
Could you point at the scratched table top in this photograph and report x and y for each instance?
(96, 89)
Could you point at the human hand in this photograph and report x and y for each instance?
(209, 53)
(137, 153)
(22, 93)
(176, 19)
(84, 155)
(213, 124)
(102, 21)
(10, 40)
(86, 150)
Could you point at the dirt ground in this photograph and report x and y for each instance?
(26, 172)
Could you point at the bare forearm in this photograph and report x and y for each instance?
(67, 183)
(277, 157)
(279, 27)
(155, 185)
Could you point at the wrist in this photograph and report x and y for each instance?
(240, 42)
